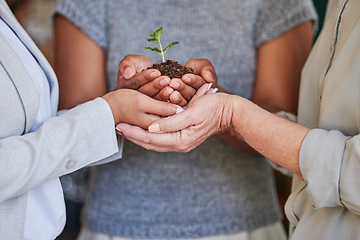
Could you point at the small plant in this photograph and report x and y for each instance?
(155, 36)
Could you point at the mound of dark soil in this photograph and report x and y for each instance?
(172, 69)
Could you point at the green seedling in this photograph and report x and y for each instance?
(155, 36)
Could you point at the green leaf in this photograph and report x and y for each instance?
(155, 49)
(157, 34)
(171, 44)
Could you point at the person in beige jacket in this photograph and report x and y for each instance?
(322, 148)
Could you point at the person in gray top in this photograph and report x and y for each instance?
(216, 189)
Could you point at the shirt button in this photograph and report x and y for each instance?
(70, 164)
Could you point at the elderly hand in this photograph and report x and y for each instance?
(183, 132)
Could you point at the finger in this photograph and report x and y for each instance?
(195, 81)
(201, 92)
(132, 64)
(146, 120)
(178, 99)
(204, 68)
(152, 118)
(153, 88)
(145, 139)
(172, 124)
(164, 94)
(139, 79)
(185, 90)
(212, 90)
(160, 108)
(209, 76)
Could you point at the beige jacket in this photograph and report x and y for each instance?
(327, 204)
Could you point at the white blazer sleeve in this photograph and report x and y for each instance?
(61, 145)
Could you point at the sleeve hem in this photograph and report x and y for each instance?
(285, 24)
(90, 26)
(320, 160)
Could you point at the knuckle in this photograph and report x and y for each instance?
(126, 59)
(159, 97)
(134, 84)
(147, 140)
(131, 56)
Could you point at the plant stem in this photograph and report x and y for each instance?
(162, 52)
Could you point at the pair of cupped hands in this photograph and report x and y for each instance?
(146, 104)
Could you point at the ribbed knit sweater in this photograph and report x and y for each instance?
(214, 189)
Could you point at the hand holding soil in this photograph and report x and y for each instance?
(167, 80)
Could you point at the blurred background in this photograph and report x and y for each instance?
(36, 18)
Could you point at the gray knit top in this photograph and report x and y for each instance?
(214, 189)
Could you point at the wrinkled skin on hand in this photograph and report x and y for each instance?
(183, 132)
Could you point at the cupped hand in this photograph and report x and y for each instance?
(133, 74)
(186, 87)
(202, 67)
(132, 107)
(206, 116)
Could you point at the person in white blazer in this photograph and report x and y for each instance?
(35, 153)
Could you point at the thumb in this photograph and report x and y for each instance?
(203, 90)
(171, 124)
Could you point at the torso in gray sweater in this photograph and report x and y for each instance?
(214, 189)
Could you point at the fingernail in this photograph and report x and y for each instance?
(186, 79)
(209, 87)
(154, 128)
(174, 84)
(175, 98)
(118, 131)
(215, 90)
(164, 82)
(209, 76)
(179, 110)
(128, 72)
(155, 74)
(168, 91)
